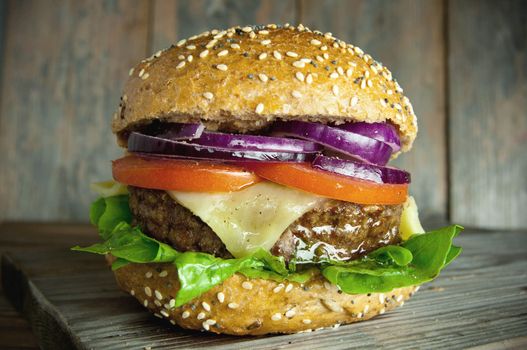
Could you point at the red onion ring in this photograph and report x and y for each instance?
(375, 173)
(379, 131)
(346, 142)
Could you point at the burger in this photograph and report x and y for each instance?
(253, 196)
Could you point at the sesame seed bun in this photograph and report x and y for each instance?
(243, 306)
(246, 77)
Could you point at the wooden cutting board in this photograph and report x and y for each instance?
(72, 301)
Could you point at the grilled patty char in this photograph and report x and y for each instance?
(335, 229)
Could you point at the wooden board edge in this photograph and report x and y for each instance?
(49, 328)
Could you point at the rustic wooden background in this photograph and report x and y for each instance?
(463, 63)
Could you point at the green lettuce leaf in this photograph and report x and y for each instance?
(416, 261)
(106, 213)
(430, 253)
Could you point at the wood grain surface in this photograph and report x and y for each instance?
(413, 49)
(488, 112)
(64, 66)
(480, 300)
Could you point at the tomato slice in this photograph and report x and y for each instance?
(303, 176)
(181, 175)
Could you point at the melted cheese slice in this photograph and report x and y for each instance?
(251, 218)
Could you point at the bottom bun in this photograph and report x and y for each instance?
(244, 306)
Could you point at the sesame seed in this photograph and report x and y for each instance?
(290, 313)
(164, 313)
(289, 288)
(235, 46)
(325, 55)
(223, 53)
(295, 94)
(381, 298)
(315, 42)
(157, 315)
(259, 109)
(185, 314)
(291, 54)
(233, 306)
(374, 70)
(366, 308)
(181, 64)
(263, 77)
(340, 70)
(359, 315)
(211, 43)
(148, 291)
(417, 288)
(208, 95)
(158, 294)
(299, 64)
(145, 303)
(181, 42)
(262, 56)
(334, 75)
(148, 274)
(141, 72)
(382, 311)
(263, 32)
(132, 292)
(252, 35)
(190, 58)
(201, 316)
(309, 79)
(349, 72)
(332, 305)
(131, 71)
(399, 298)
(206, 326)
(335, 90)
(157, 303)
(276, 317)
(306, 321)
(358, 50)
(172, 322)
(172, 303)
(320, 59)
(383, 103)
(299, 76)
(181, 57)
(327, 285)
(222, 67)
(210, 322)
(144, 77)
(324, 48)
(277, 55)
(203, 53)
(369, 82)
(335, 45)
(214, 31)
(191, 47)
(266, 42)
(221, 297)
(363, 84)
(279, 287)
(206, 306)
(163, 273)
(247, 29)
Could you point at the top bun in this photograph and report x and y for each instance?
(243, 78)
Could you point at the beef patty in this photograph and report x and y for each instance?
(335, 229)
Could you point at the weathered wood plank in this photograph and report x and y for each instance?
(64, 66)
(488, 112)
(407, 36)
(174, 20)
(480, 300)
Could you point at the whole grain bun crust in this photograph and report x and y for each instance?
(249, 76)
(244, 306)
